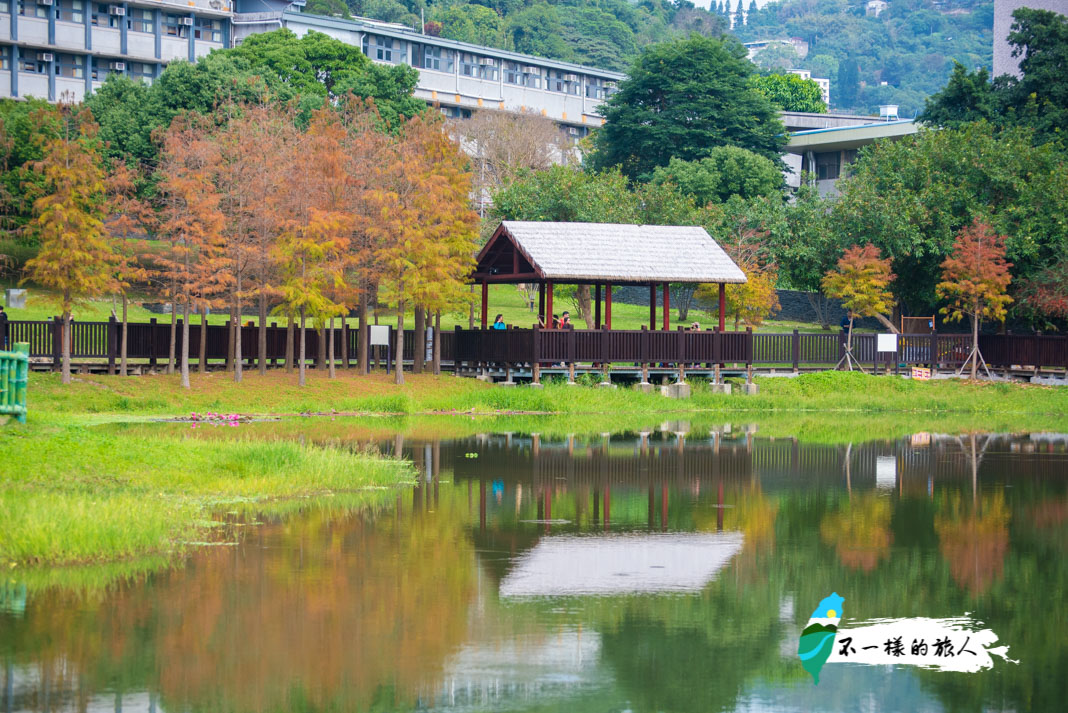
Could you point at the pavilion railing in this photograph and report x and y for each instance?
(99, 341)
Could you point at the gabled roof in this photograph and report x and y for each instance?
(606, 252)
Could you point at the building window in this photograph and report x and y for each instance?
(102, 16)
(478, 67)
(142, 20)
(434, 58)
(71, 11)
(383, 49)
(174, 27)
(142, 70)
(29, 8)
(71, 66)
(208, 30)
(827, 166)
(522, 75)
(5, 59)
(5, 6)
(32, 63)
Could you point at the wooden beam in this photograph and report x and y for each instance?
(505, 277)
(597, 305)
(549, 324)
(608, 305)
(667, 307)
(485, 303)
(722, 306)
(541, 304)
(652, 306)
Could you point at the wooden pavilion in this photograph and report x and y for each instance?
(603, 255)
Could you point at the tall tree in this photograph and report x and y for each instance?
(727, 171)
(422, 202)
(198, 261)
(975, 282)
(861, 281)
(682, 99)
(790, 92)
(76, 257)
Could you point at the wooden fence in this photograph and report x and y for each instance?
(99, 342)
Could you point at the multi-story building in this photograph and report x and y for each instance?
(66, 48)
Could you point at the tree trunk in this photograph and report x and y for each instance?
(174, 338)
(238, 366)
(261, 355)
(330, 347)
(66, 348)
(437, 343)
(202, 357)
(124, 339)
(975, 345)
(185, 344)
(420, 340)
(362, 336)
(887, 323)
(303, 350)
(289, 344)
(819, 305)
(398, 377)
(320, 363)
(585, 304)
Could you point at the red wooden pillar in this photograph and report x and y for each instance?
(597, 306)
(608, 305)
(485, 303)
(541, 304)
(722, 306)
(667, 307)
(652, 306)
(549, 307)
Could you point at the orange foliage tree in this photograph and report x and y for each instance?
(76, 257)
(424, 227)
(197, 263)
(861, 282)
(975, 280)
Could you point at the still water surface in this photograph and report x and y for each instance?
(638, 572)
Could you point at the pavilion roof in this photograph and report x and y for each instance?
(610, 252)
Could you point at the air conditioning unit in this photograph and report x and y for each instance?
(44, 2)
(45, 57)
(531, 69)
(185, 20)
(487, 61)
(116, 10)
(571, 78)
(117, 66)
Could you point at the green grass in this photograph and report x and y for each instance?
(72, 493)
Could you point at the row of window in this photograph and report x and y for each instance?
(137, 19)
(442, 60)
(72, 66)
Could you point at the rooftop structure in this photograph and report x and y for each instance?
(826, 153)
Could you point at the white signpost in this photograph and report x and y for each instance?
(886, 343)
(379, 337)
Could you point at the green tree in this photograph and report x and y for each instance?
(537, 30)
(847, 88)
(967, 97)
(330, 8)
(682, 99)
(472, 23)
(790, 92)
(727, 171)
(76, 257)
(911, 197)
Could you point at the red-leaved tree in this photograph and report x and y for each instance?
(975, 280)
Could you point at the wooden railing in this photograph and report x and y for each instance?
(99, 341)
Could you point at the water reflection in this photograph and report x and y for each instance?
(664, 570)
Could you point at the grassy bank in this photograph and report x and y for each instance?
(69, 493)
(278, 393)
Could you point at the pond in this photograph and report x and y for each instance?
(671, 569)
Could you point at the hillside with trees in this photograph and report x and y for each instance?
(900, 56)
(600, 33)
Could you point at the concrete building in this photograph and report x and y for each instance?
(65, 48)
(1004, 62)
(826, 153)
(54, 49)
